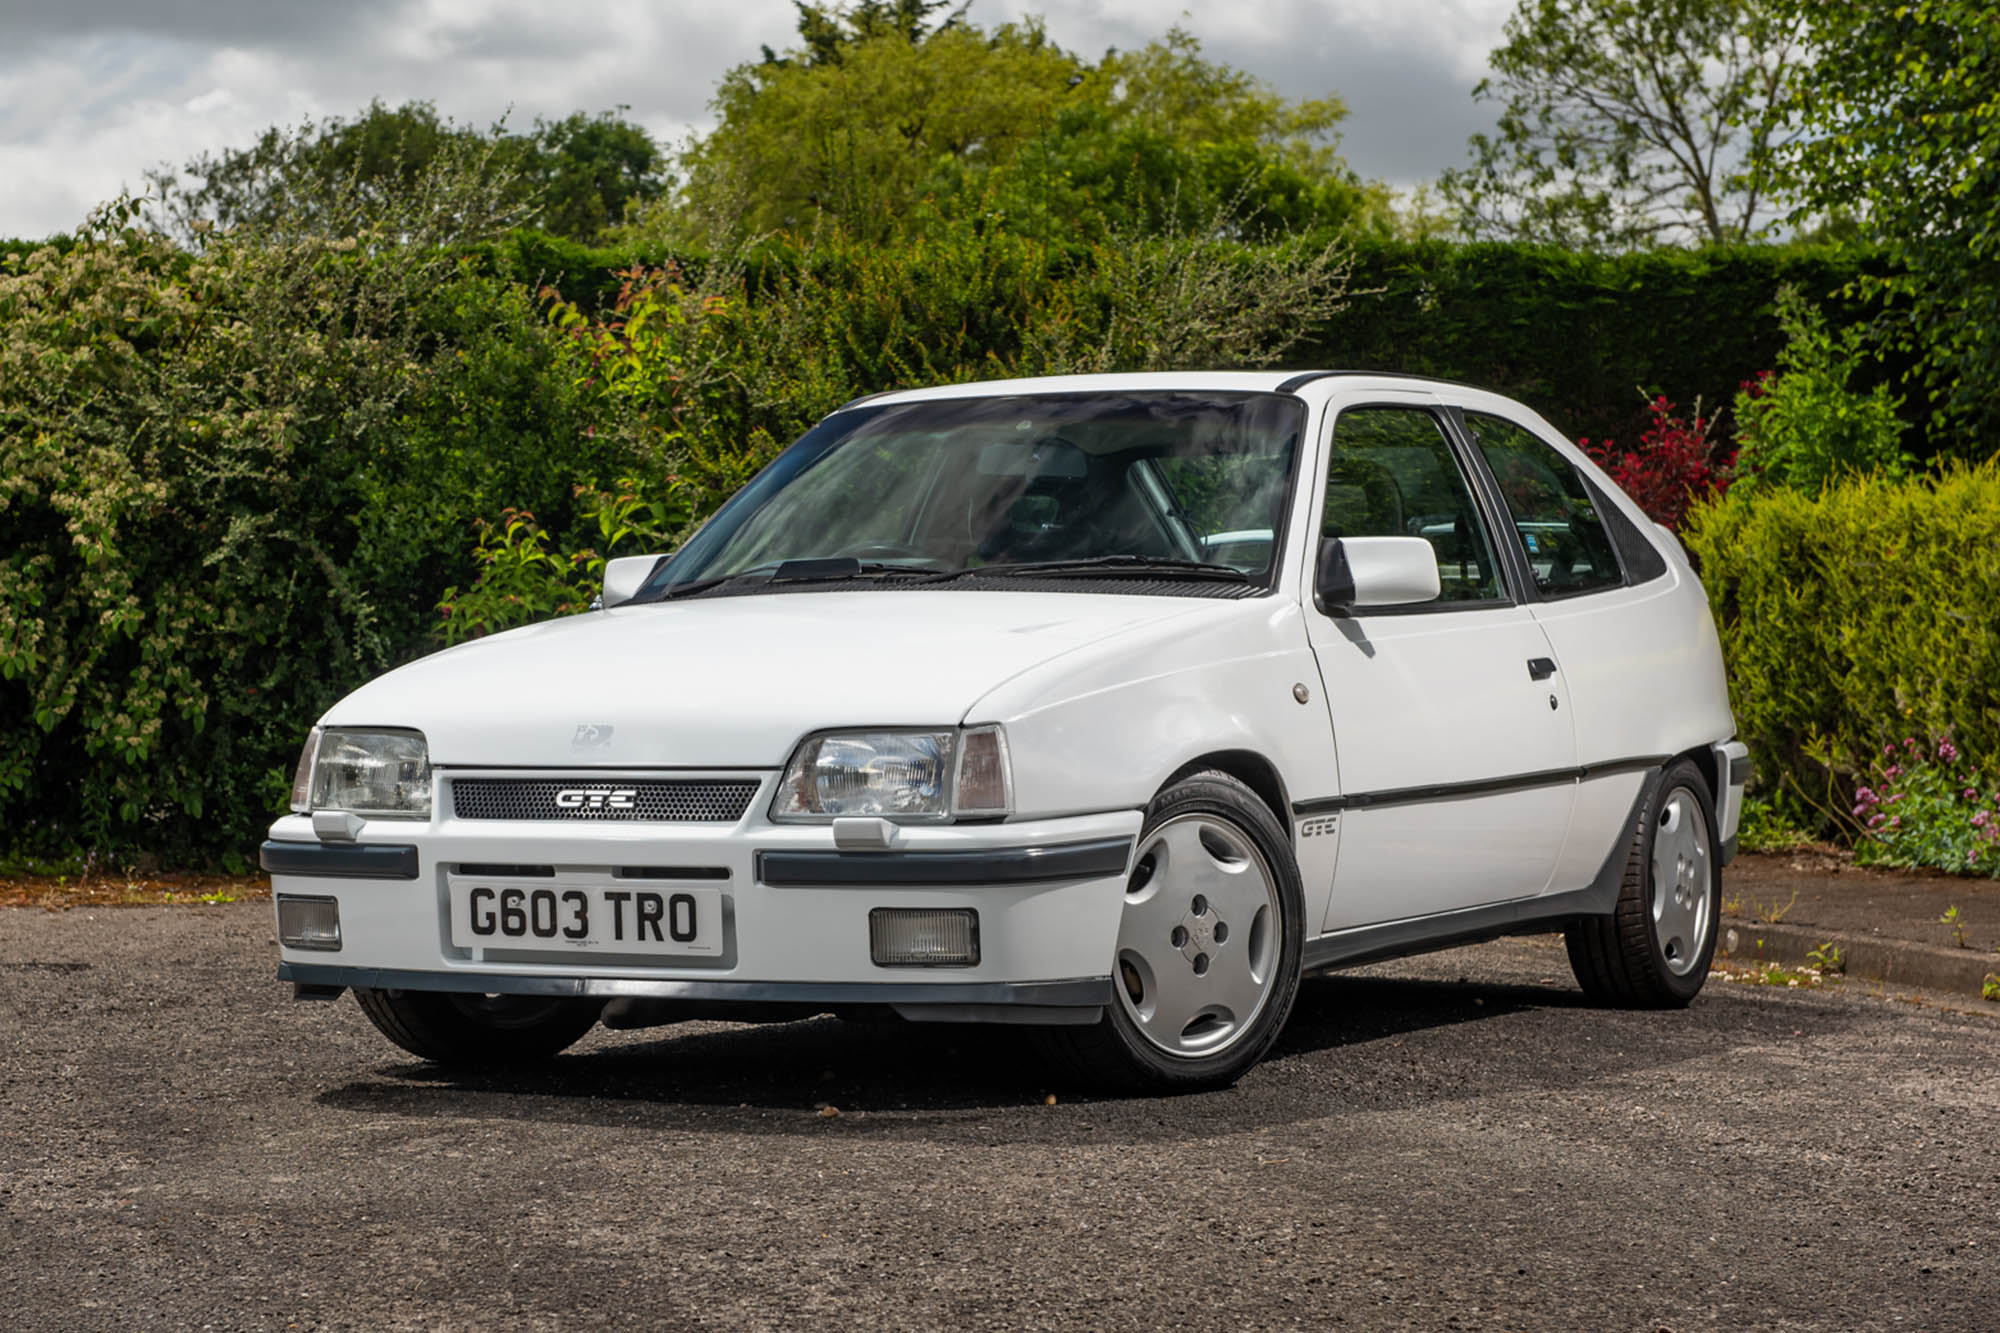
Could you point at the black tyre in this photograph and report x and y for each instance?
(1654, 951)
(1207, 963)
(456, 1028)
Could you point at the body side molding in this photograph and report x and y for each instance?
(1483, 787)
(1520, 916)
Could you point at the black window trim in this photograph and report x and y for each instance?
(1639, 527)
(1440, 413)
(1517, 559)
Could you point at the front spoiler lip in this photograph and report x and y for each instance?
(1074, 992)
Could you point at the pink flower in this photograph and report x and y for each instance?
(1874, 821)
(1890, 748)
(1892, 772)
(1969, 794)
(1979, 820)
(1948, 752)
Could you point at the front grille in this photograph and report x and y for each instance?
(667, 800)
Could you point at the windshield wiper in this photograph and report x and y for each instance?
(841, 569)
(1156, 565)
(834, 569)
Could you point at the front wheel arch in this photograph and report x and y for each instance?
(1248, 767)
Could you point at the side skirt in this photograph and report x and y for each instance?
(1472, 925)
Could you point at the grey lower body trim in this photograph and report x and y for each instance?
(994, 865)
(1076, 992)
(1396, 939)
(1729, 849)
(1740, 770)
(1521, 916)
(339, 860)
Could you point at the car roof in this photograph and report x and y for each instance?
(1239, 381)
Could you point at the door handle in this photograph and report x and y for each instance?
(1540, 668)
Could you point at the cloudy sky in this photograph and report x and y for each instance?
(93, 92)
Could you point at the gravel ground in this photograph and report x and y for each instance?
(1450, 1142)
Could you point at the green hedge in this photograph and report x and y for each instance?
(232, 488)
(1855, 619)
(1575, 335)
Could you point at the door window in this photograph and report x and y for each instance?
(1393, 474)
(1555, 515)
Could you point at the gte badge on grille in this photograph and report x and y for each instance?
(615, 798)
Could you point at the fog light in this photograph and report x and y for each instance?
(924, 937)
(309, 923)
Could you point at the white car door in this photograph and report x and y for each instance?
(1632, 647)
(1451, 722)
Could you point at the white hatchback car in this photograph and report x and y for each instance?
(1109, 704)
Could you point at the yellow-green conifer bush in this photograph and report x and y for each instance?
(1853, 619)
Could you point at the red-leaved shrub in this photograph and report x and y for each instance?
(1673, 466)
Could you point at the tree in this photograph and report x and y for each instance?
(575, 175)
(1903, 132)
(1632, 122)
(883, 110)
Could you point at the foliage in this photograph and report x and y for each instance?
(220, 492)
(1571, 333)
(522, 580)
(1504, 316)
(1629, 122)
(1674, 466)
(1853, 618)
(1904, 134)
(1927, 805)
(575, 176)
(702, 374)
(1763, 829)
(1804, 427)
(875, 114)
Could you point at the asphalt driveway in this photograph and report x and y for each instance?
(1457, 1141)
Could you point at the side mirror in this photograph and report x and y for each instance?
(627, 574)
(1358, 572)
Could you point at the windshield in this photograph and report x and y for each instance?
(1137, 482)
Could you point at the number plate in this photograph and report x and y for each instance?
(585, 917)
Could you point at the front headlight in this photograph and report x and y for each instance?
(378, 773)
(909, 776)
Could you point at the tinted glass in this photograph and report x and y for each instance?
(957, 484)
(1393, 474)
(1554, 513)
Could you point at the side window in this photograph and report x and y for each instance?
(1393, 474)
(1555, 515)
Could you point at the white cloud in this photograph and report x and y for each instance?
(95, 92)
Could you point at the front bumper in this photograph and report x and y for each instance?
(795, 909)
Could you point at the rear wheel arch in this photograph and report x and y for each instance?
(1703, 758)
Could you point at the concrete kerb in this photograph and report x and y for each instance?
(1863, 957)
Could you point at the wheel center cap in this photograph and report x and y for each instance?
(1200, 934)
